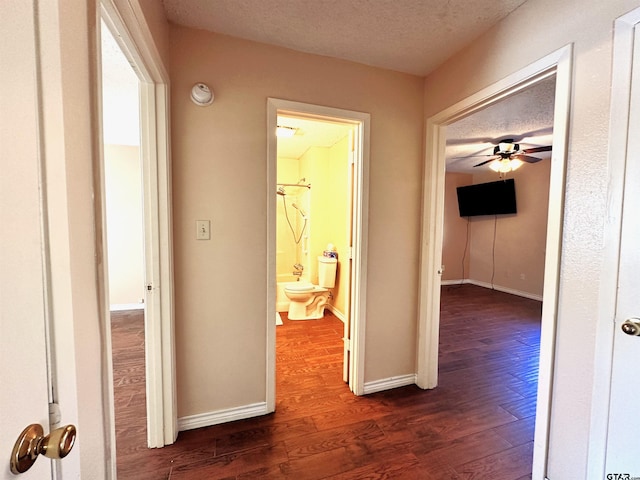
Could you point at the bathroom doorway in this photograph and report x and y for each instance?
(317, 199)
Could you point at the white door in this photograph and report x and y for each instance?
(623, 445)
(24, 394)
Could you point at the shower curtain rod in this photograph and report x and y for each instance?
(307, 185)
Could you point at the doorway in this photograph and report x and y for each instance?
(353, 127)
(314, 216)
(493, 255)
(159, 369)
(557, 64)
(125, 244)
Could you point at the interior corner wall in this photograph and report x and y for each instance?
(125, 224)
(338, 208)
(219, 156)
(455, 247)
(505, 49)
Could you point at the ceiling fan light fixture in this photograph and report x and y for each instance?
(516, 164)
(505, 165)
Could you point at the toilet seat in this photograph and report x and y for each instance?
(300, 287)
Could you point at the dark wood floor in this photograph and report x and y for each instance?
(478, 424)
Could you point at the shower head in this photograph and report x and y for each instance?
(281, 191)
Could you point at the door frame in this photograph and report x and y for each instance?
(558, 63)
(135, 40)
(621, 85)
(360, 232)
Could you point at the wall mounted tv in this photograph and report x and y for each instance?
(494, 198)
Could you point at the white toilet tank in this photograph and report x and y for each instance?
(327, 271)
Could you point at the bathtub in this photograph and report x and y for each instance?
(282, 302)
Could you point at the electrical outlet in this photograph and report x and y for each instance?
(522, 276)
(203, 230)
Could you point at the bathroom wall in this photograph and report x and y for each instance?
(313, 165)
(339, 214)
(326, 168)
(125, 228)
(288, 252)
(328, 206)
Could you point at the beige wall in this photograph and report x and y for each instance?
(455, 230)
(125, 225)
(519, 239)
(219, 173)
(507, 48)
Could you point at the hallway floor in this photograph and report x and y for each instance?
(478, 424)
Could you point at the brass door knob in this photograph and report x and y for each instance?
(631, 326)
(32, 442)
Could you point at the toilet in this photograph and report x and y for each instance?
(308, 300)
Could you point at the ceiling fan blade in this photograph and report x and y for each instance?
(526, 158)
(537, 149)
(486, 161)
(471, 156)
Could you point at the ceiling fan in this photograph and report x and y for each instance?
(508, 156)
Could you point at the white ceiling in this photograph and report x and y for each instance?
(120, 98)
(310, 133)
(412, 36)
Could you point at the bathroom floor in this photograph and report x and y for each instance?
(477, 424)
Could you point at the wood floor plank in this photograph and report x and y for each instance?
(478, 423)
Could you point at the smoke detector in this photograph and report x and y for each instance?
(201, 95)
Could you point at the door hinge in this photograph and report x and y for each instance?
(347, 342)
(55, 416)
(350, 253)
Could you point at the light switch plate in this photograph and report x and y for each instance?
(203, 230)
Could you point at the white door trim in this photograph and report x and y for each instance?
(361, 208)
(137, 44)
(623, 45)
(560, 64)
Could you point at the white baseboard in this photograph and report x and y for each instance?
(512, 291)
(499, 288)
(222, 416)
(119, 307)
(336, 312)
(389, 383)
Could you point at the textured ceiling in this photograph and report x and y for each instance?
(405, 35)
(526, 117)
(412, 36)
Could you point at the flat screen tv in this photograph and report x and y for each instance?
(494, 198)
